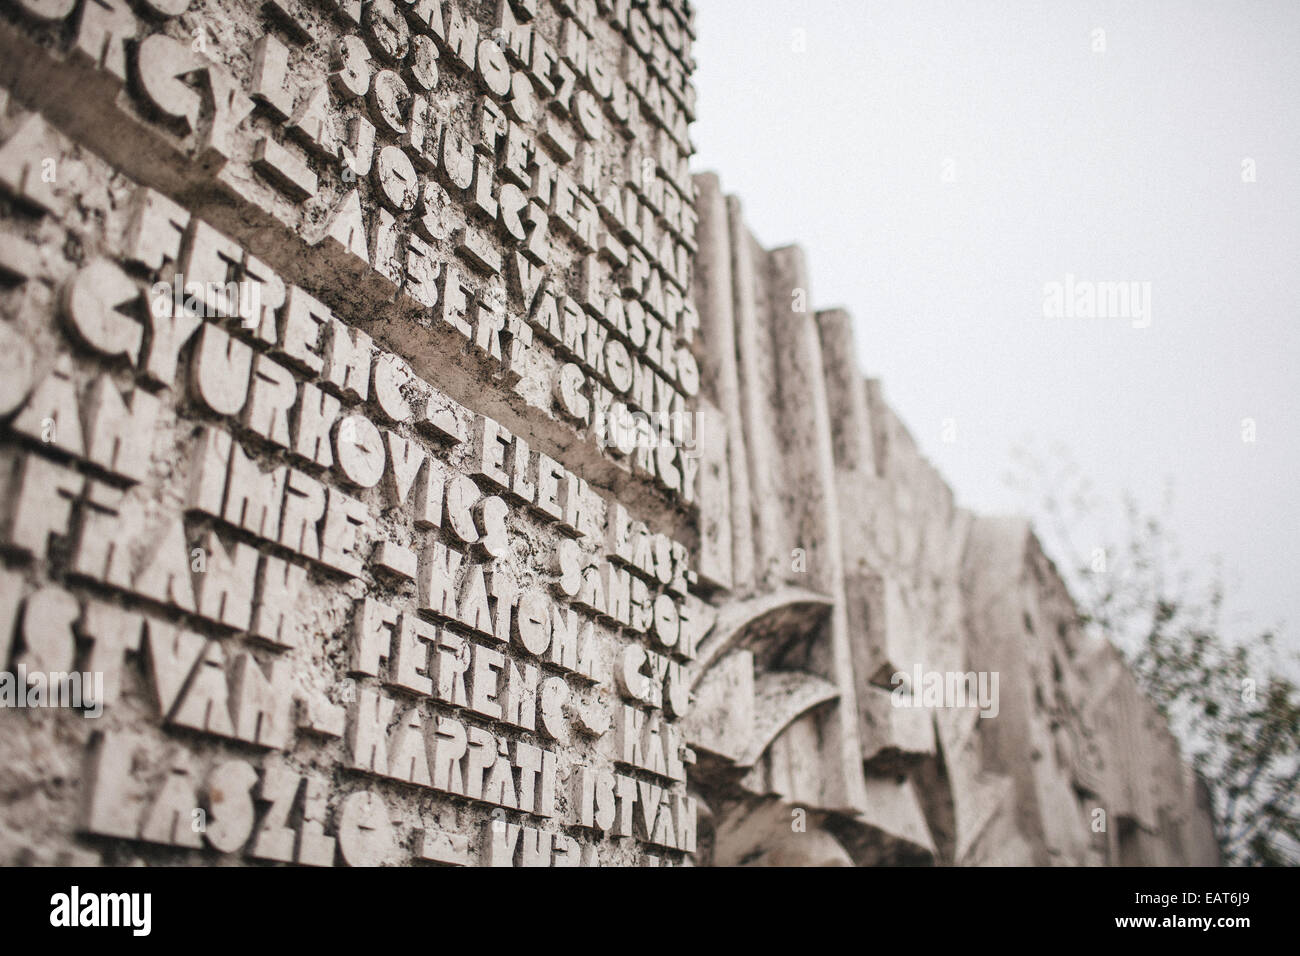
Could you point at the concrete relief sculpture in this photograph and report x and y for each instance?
(405, 460)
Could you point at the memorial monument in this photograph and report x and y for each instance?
(406, 460)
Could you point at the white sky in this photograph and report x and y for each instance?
(1117, 166)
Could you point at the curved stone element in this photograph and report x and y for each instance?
(768, 620)
(780, 698)
(770, 831)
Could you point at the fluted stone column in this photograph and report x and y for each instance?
(810, 498)
(714, 299)
(754, 361)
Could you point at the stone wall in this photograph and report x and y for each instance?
(405, 460)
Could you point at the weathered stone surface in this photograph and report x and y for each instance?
(329, 319)
(406, 461)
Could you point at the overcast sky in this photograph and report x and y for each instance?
(942, 161)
